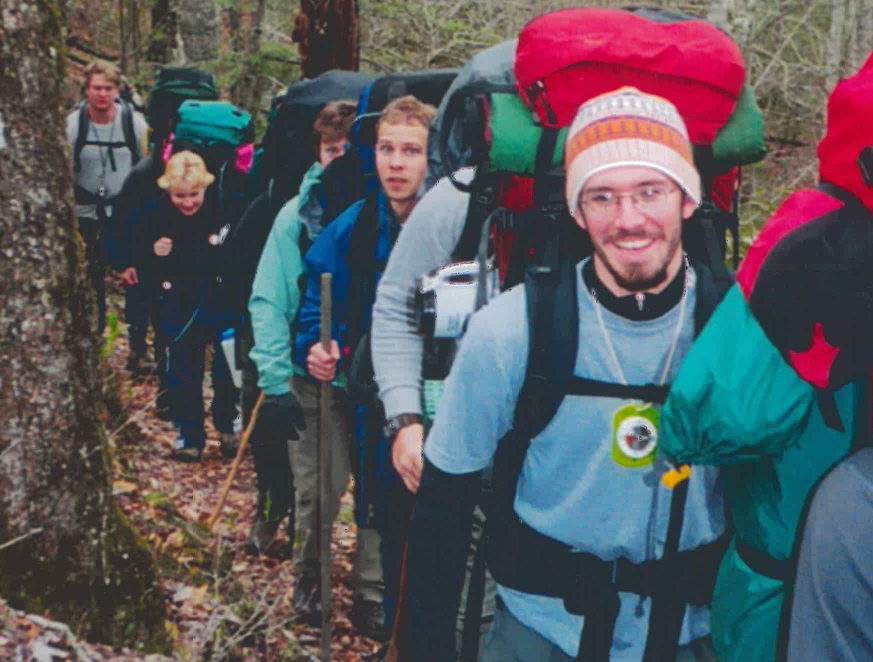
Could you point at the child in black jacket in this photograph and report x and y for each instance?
(181, 237)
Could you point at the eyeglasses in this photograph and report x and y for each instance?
(650, 199)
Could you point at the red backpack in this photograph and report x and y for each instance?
(507, 117)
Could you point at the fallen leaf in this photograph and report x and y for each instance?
(123, 487)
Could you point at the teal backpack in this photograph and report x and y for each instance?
(223, 135)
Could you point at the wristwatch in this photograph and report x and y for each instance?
(394, 424)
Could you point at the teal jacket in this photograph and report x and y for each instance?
(275, 297)
(740, 402)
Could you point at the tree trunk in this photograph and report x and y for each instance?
(863, 42)
(163, 34)
(122, 37)
(835, 44)
(326, 32)
(246, 91)
(197, 34)
(134, 33)
(65, 547)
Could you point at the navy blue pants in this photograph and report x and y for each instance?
(185, 370)
(92, 234)
(139, 308)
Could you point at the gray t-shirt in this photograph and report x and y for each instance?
(96, 170)
(575, 484)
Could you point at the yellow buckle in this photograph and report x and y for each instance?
(672, 478)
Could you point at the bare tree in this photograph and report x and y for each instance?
(835, 44)
(64, 544)
(198, 31)
(246, 91)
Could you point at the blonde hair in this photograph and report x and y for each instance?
(188, 168)
(406, 110)
(105, 69)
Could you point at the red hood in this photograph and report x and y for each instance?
(849, 128)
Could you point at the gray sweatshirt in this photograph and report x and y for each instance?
(429, 236)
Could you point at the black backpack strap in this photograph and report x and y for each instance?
(362, 246)
(552, 323)
(552, 314)
(127, 128)
(712, 286)
(483, 200)
(81, 137)
(129, 132)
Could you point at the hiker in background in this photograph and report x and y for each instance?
(171, 86)
(108, 138)
(801, 308)
(180, 238)
(296, 225)
(588, 507)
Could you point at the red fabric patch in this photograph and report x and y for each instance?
(723, 187)
(503, 243)
(516, 193)
(814, 364)
(799, 208)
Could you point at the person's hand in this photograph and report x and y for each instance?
(279, 418)
(320, 364)
(128, 276)
(406, 454)
(163, 246)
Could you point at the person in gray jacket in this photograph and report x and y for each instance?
(832, 609)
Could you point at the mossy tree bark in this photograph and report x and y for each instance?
(65, 547)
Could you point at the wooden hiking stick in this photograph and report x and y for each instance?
(325, 470)
(393, 652)
(236, 461)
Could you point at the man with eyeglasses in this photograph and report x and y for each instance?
(589, 490)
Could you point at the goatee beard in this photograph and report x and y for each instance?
(640, 284)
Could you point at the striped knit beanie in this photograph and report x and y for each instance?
(627, 127)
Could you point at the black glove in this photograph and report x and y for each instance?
(278, 419)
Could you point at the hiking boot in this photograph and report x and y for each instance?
(187, 454)
(139, 365)
(261, 535)
(228, 445)
(306, 601)
(368, 618)
(183, 453)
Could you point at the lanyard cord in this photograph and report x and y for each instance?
(672, 344)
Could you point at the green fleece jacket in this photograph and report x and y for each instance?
(275, 295)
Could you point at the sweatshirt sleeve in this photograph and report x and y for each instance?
(273, 306)
(426, 242)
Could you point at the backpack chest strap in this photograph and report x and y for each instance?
(581, 386)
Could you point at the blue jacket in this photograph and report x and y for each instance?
(329, 253)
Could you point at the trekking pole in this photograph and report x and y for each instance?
(392, 653)
(324, 474)
(236, 462)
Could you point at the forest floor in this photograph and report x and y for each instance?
(222, 602)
